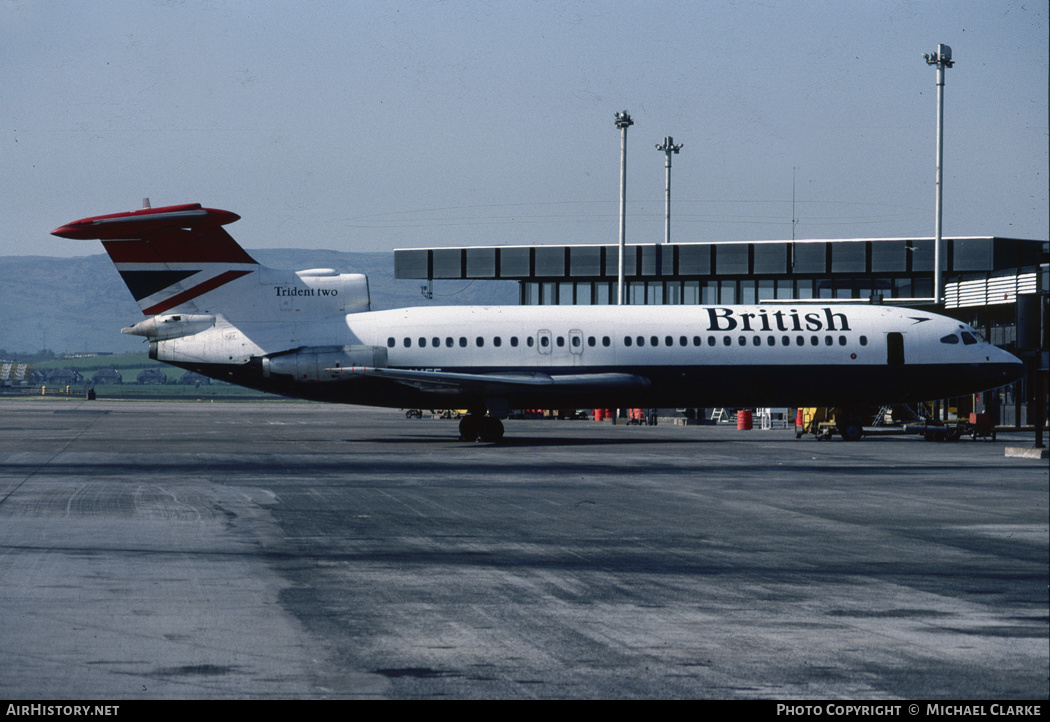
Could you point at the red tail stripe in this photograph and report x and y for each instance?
(199, 290)
(204, 245)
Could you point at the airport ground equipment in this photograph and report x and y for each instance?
(824, 422)
(977, 426)
(982, 426)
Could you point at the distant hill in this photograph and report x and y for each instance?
(80, 304)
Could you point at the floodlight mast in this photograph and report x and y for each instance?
(623, 122)
(668, 148)
(942, 59)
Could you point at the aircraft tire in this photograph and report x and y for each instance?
(490, 429)
(468, 428)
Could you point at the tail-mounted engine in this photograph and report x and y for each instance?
(312, 363)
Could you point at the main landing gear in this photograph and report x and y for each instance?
(475, 427)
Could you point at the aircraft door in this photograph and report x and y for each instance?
(895, 349)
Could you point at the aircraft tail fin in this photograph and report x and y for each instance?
(171, 259)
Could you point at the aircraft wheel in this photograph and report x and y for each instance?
(468, 428)
(490, 429)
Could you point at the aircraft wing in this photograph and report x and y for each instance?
(496, 384)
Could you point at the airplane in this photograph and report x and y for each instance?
(211, 308)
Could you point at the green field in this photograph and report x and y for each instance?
(125, 363)
(129, 366)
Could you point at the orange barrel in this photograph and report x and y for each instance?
(744, 420)
(599, 414)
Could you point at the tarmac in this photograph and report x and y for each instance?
(288, 550)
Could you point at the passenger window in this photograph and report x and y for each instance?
(742, 341)
(785, 340)
(814, 341)
(696, 340)
(449, 342)
(529, 341)
(480, 341)
(422, 342)
(668, 341)
(800, 340)
(514, 341)
(544, 341)
(842, 340)
(828, 341)
(576, 341)
(462, 341)
(727, 341)
(710, 340)
(771, 341)
(497, 341)
(863, 340)
(641, 340)
(408, 342)
(560, 341)
(591, 341)
(435, 342)
(606, 341)
(654, 341)
(626, 340)
(390, 342)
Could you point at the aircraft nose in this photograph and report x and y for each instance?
(1010, 368)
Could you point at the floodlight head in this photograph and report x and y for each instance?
(943, 56)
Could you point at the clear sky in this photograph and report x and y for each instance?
(371, 125)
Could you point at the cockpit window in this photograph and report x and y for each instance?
(971, 332)
(950, 338)
(968, 338)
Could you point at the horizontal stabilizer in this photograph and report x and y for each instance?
(137, 224)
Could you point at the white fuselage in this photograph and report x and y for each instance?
(791, 354)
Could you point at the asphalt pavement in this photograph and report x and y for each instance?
(291, 550)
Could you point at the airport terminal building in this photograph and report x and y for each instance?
(998, 285)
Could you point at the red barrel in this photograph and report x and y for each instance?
(744, 420)
(599, 414)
